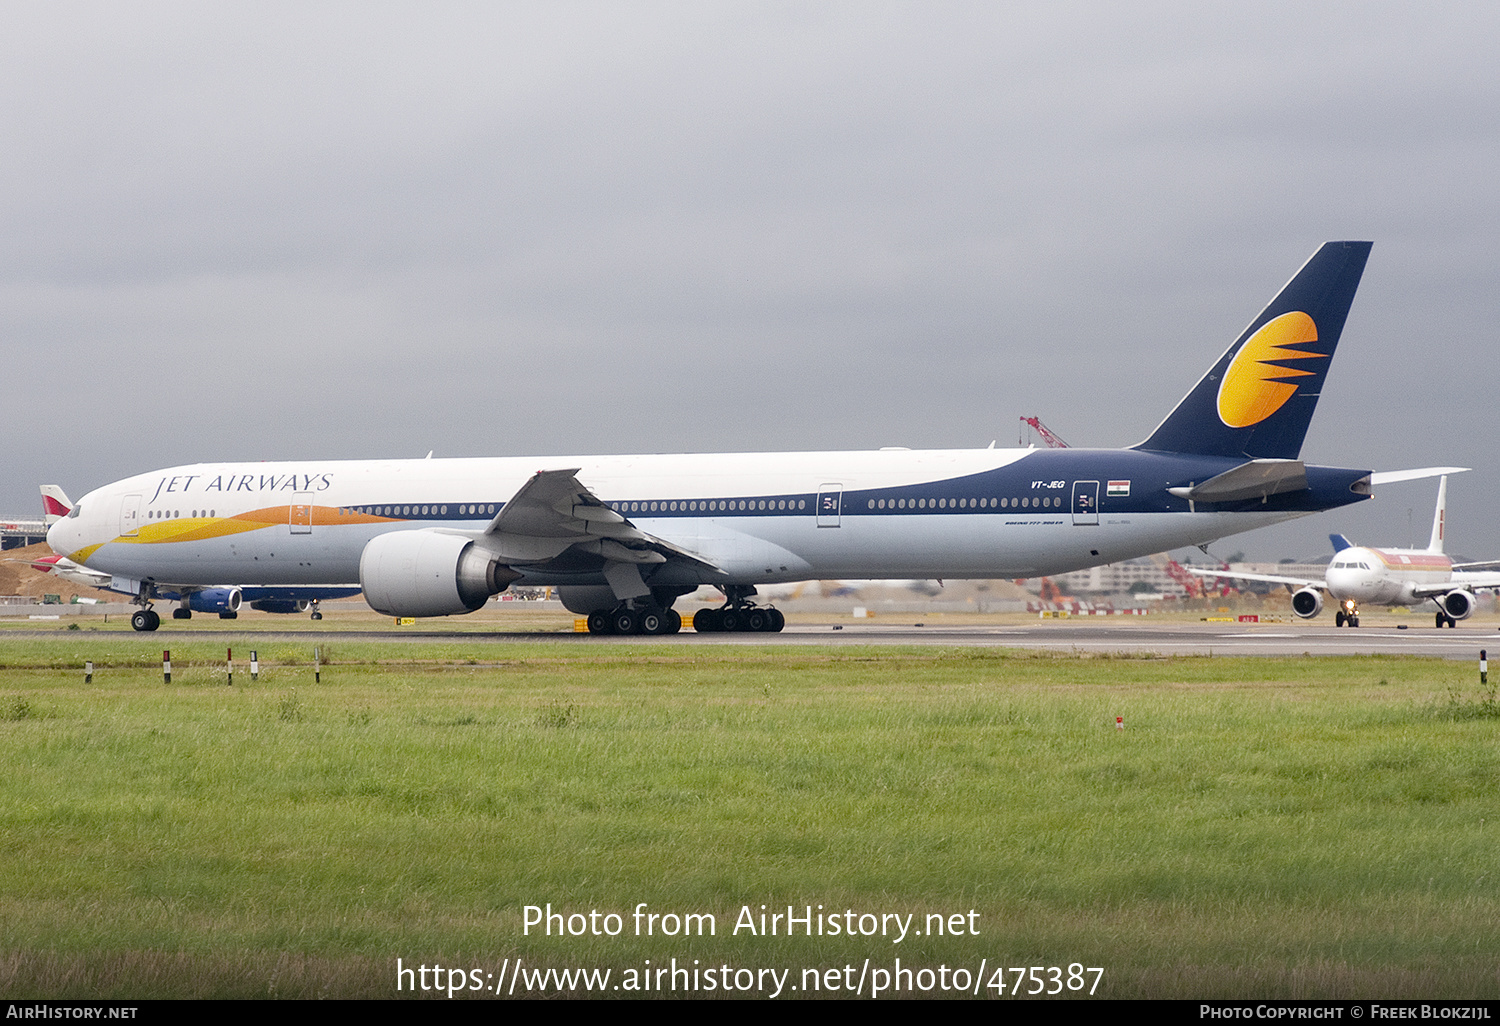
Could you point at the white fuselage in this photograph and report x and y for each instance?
(755, 516)
(1385, 577)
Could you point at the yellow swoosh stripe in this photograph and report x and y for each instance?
(190, 529)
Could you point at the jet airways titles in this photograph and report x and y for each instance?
(182, 484)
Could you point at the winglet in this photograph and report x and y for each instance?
(1258, 399)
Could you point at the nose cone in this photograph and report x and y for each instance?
(60, 537)
(1340, 581)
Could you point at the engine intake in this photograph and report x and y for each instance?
(1307, 603)
(427, 573)
(1459, 605)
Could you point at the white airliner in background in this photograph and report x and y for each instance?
(622, 537)
(1387, 577)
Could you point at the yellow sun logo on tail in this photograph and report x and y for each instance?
(1254, 386)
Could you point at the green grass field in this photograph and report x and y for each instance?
(1261, 827)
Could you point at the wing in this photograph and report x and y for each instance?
(68, 570)
(1470, 582)
(1301, 582)
(554, 520)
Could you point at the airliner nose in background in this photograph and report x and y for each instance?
(622, 537)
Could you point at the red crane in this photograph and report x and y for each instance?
(1051, 440)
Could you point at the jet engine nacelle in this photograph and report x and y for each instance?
(217, 600)
(1307, 603)
(1458, 604)
(427, 573)
(280, 605)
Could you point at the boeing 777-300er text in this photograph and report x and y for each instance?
(1386, 577)
(622, 537)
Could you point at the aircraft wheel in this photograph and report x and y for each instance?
(652, 621)
(756, 620)
(229, 615)
(1353, 621)
(731, 620)
(1338, 618)
(317, 615)
(182, 614)
(625, 621)
(144, 620)
(674, 622)
(707, 621)
(1440, 619)
(601, 623)
(778, 620)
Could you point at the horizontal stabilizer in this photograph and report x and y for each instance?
(1385, 477)
(1254, 480)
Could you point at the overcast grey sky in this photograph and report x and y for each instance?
(339, 230)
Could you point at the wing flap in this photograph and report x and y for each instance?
(554, 513)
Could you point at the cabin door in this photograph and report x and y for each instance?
(830, 505)
(1085, 503)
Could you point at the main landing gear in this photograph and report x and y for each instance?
(750, 619)
(145, 620)
(738, 614)
(646, 620)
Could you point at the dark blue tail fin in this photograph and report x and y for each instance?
(1257, 401)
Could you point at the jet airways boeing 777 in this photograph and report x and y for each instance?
(1386, 577)
(622, 537)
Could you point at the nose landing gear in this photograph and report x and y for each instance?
(1348, 613)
